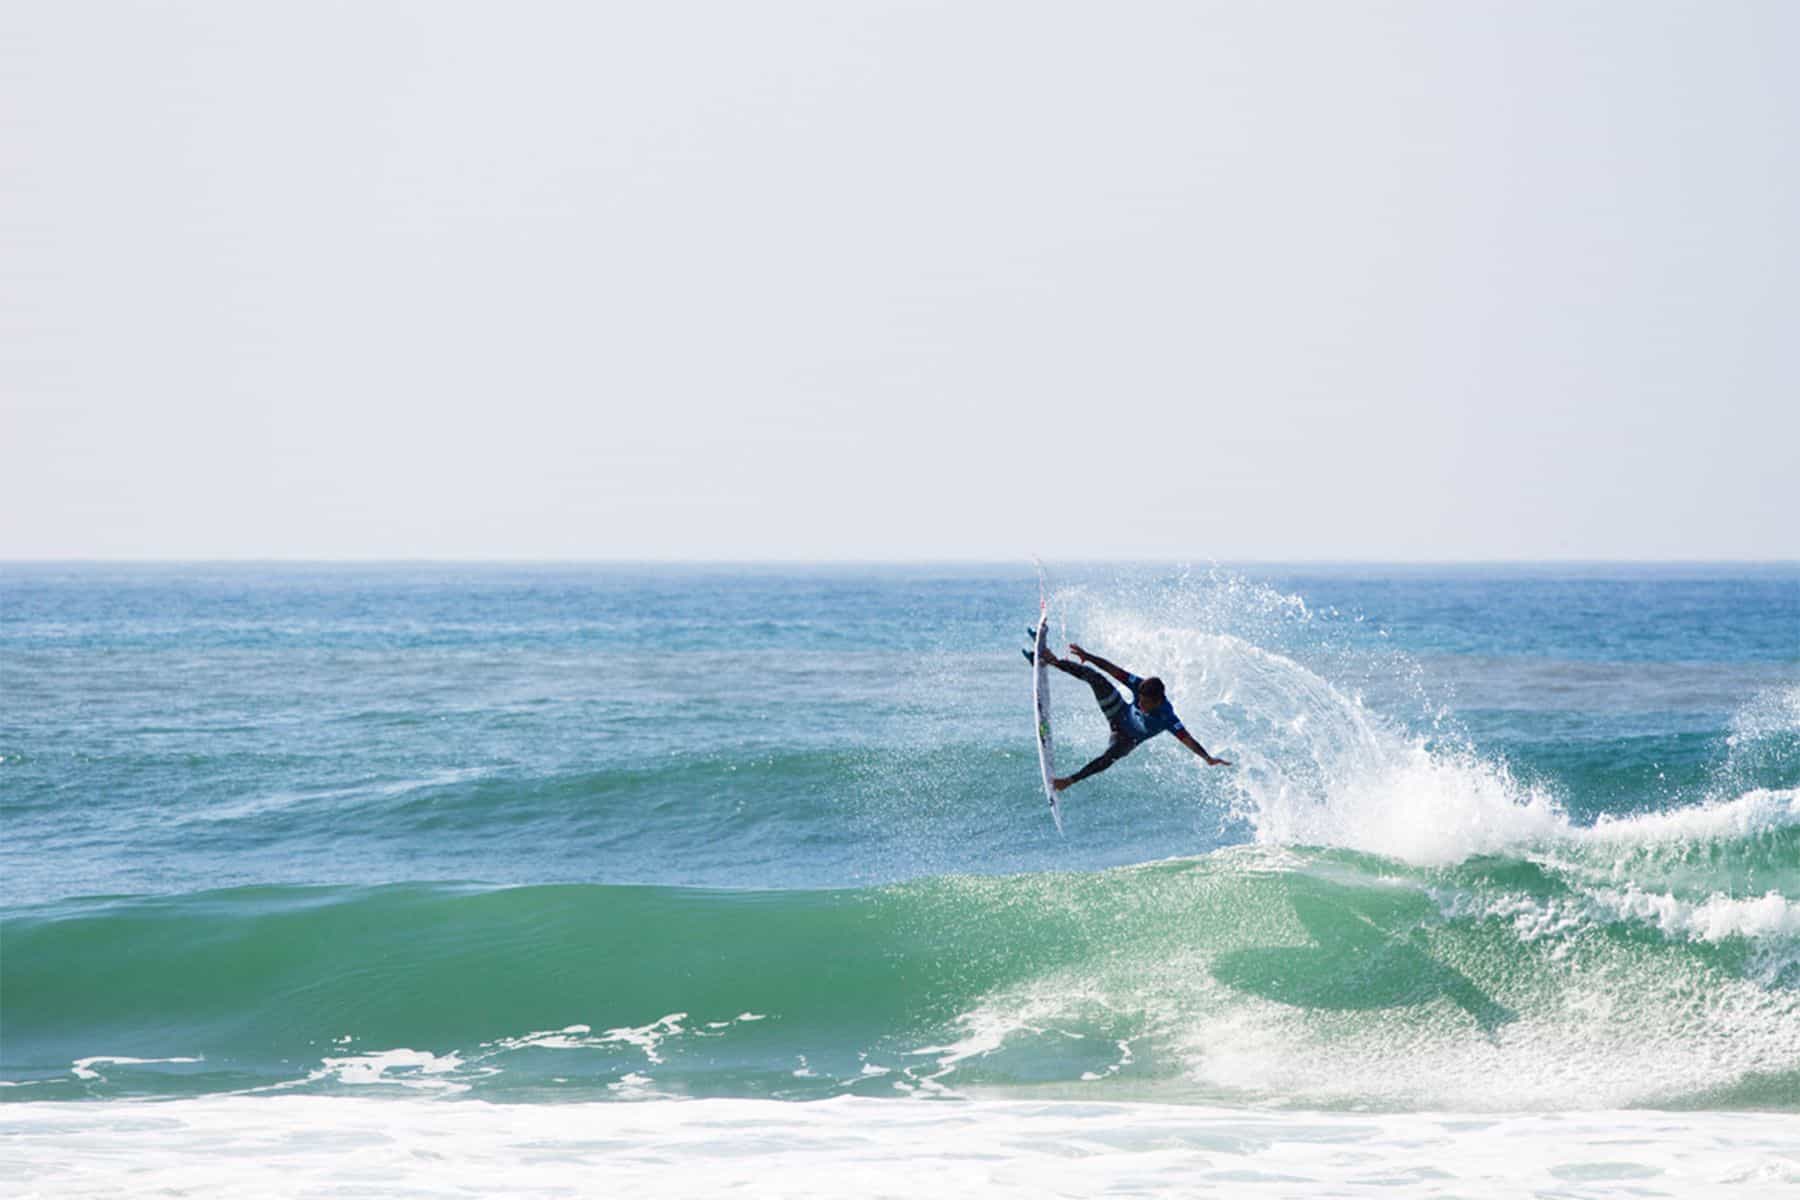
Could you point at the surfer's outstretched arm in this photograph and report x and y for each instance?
(1117, 672)
(1111, 755)
(1187, 739)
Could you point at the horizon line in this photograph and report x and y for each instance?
(970, 560)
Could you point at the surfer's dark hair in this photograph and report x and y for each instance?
(1153, 686)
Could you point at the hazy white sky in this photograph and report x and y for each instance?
(829, 280)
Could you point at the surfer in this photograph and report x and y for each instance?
(1148, 714)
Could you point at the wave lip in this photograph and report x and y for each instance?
(1752, 815)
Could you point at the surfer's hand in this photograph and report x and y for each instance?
(1059, 784)
(1078, 652)
(1217, 762)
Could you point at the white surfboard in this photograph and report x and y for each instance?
(1040, 703)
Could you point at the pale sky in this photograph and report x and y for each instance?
(1432, 280)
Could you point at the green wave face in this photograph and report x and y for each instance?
(1310, 978)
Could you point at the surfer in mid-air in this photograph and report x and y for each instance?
(1148, 713)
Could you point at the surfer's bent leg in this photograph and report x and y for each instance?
(1112, 754)
(1111, 703)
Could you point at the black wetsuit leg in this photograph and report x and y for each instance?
(1116, 749)
(1112, 707)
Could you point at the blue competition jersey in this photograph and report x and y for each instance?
(1141, 725)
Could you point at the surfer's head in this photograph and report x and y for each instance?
(1151, 694)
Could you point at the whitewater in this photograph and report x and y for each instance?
(450, 880)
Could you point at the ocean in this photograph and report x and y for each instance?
(456, 879)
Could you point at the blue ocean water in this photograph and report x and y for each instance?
(1497, 838)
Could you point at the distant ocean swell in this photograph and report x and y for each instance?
(1645, 961)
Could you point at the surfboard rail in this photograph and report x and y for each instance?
(1040, 703)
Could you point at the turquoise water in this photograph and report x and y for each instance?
(1505, 839)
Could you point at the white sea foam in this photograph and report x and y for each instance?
(899, 1148)
(636, 1086)
(1770, 922)
(454, 1072)
(1711, 920)
(569, 1037)
(88, 1068)
(1053, 1010)
(647, 1039)
(418, 1069)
